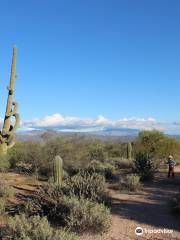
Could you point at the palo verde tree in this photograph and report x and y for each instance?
(152, 148)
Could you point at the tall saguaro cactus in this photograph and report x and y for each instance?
(129, 151)
(58, 170)
(7, 138)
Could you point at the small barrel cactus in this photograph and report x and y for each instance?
(58, 170)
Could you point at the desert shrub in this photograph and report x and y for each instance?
(145, 166)
(97, 153)
(175, 204)
(69, 211)
(73, 150)
(87, 216)
(6, 190)
(114, 149)
(85, 184)
(131, 182)
(150, 142)
(76, 151)
(34, 228)
(103, 168)
(2, 205)
(45, 203)
(157, 145)
(123, 163)
(29, 153)
(17, 154)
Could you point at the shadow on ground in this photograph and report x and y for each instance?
(150, 206)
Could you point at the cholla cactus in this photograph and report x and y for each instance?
(58, 170)
(129, 151)
(7, 138)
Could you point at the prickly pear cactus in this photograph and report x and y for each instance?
(7, 134)
(129, 151)
(58, 170)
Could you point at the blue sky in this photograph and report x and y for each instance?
(84, 58)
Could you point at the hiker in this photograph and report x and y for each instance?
(171, 163)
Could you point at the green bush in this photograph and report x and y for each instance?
(156, 144)
(175, 204)
(6, 190)
(45, 203)
(26, 156)
(145, 166)
(76, 151)
(131, 183)
(2, 205)
(34, 228)
(87, 216)
(69, 211)
(85, 184)
(97, 153)
(103, 168)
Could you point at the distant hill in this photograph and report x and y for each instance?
(121, 135)
(112, 134)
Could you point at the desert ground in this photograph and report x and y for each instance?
(147, 208)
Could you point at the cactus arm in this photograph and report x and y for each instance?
(10, 141)
(13, 128)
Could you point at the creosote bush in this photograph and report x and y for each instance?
(145, 166)
(130, 183)
(34, 228)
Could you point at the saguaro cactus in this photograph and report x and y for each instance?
(58, 170)
(129, 151)
(7, 138)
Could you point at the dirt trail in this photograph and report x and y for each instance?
(147, 208)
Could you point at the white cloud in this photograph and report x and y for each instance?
(139, 123)
(66, 122)
(52, 121)
(75, 124)
(100, 120)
